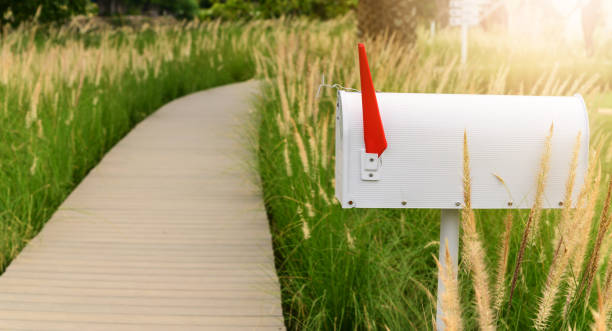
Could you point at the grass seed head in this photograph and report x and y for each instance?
(534, 213)
(561, 255)
(451, 305)
(473, 250)
(500, 289)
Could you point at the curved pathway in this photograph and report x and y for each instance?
(166, 233)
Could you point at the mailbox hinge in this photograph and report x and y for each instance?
(370, 166)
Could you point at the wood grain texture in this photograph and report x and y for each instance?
(168, 232)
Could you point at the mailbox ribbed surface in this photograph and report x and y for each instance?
(422, 166)
(164, 234)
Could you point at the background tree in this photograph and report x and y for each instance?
(111, 7)
(253, 9)
(439, 10)
(592, 17)
(400, 17)
(179, 8)
(15, 12)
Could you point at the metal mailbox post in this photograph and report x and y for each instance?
(419, 164)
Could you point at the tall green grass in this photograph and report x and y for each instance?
(68, 95)
(375, 269)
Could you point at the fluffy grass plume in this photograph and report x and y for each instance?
(504, 250)
(473, 251)
(385, 278)
(585, 212)
(592, 264)
(599, 314)
(607, 290)
(560, 257)
(451, 306)
(534, 213)
(69, 93)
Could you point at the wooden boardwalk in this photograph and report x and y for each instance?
(166, 233)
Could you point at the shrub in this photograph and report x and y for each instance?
(250, 9)
(15, 12)
(179, 8)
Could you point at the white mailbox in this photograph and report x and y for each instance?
(422, 165)
(405, 150)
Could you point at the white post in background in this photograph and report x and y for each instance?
(465, 13)
(432, 29)
(449, 231)
(464, 42)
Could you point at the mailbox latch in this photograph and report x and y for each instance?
(370, 166)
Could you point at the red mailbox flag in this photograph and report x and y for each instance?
(373, 132)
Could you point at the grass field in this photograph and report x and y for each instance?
(375, 269)
(67, 95)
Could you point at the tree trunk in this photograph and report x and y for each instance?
(591, 18)
(379, 17)
(111, 7)
(442, 13)
(104, 7)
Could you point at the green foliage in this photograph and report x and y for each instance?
(339, 269)
(179, 8)
(15, 12)
(48, 159)
(360, 269)
(262, 9)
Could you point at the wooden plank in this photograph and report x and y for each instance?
(207, 270)
(139, 319)
(168, 232)
(220, 283)
(83, 306)
(29, 325)
(241, 306)
(144, 294)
